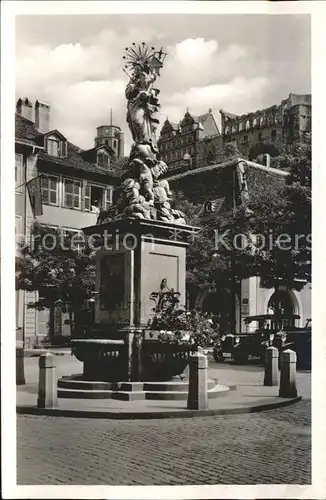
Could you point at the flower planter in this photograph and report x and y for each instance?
(163, 360)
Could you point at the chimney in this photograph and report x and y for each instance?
(24, 108)
(42, 116)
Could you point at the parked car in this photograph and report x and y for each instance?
(285, 335)
(241, 347)
(270, 332)
(299, 340)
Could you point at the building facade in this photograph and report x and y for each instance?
(225, 184)
(267, 130)
(191, 143)
(75, 185)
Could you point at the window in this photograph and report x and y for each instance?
(273, 135)
(247, 124)
(255, 122)
(108, 198)
(240, 126)
(115, 144)
(18, 170)
(97, 198)
(227, 130)
(53, 147)
(102, 160)
(234, 129)
(72, 193)
(49, 189)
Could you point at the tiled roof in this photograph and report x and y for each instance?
(75, 161)
(26, 131)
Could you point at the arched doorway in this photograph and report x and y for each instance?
(281, 303)
(260, 149)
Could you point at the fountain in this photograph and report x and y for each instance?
(143, 244)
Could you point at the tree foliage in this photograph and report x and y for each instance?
(56, 267)
(273, 242)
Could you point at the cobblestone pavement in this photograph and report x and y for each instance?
(271, 447)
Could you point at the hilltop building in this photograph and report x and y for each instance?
(191, 143)
(267, 130)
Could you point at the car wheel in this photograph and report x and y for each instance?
(218, 357)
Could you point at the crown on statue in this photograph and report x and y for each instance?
(141, 55)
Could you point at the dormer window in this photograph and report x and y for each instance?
(56, 144)
(102, 160)
(53, 147)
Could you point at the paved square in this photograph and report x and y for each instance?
(272, 447)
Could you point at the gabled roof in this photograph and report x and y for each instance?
(74, 160)
(55, 132)
(26, 131)
(91, 151)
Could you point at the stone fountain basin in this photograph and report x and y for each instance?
(107, 359)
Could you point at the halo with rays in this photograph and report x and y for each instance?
(142, 55)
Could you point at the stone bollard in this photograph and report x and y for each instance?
(288, 388)
(197, 392)
(271, 367)
(20, 372)
(47, 384)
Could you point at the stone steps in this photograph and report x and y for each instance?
(76, 382)
(133, 391)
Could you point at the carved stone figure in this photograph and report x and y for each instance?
(143, 193)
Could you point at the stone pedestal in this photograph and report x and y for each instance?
(134, 257)
(288, 387)
(47, 389)
(197, 395)
(271, 367)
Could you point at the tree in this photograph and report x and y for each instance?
(265, 244)
(60, 268)
(288, 258)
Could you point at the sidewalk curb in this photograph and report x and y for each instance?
(34, 353)
(56, 412)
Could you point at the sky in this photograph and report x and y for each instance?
(239, 63)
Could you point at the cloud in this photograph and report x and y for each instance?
(80, 72)
(195, 51)
(240, 95)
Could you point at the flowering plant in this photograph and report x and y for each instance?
(176, 324)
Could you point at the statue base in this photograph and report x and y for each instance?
(133, 259)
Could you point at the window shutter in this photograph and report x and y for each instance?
(64, 149)
(87, 197)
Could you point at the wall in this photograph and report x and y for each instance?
(31, 315)
(66, 217)
(259, 296)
